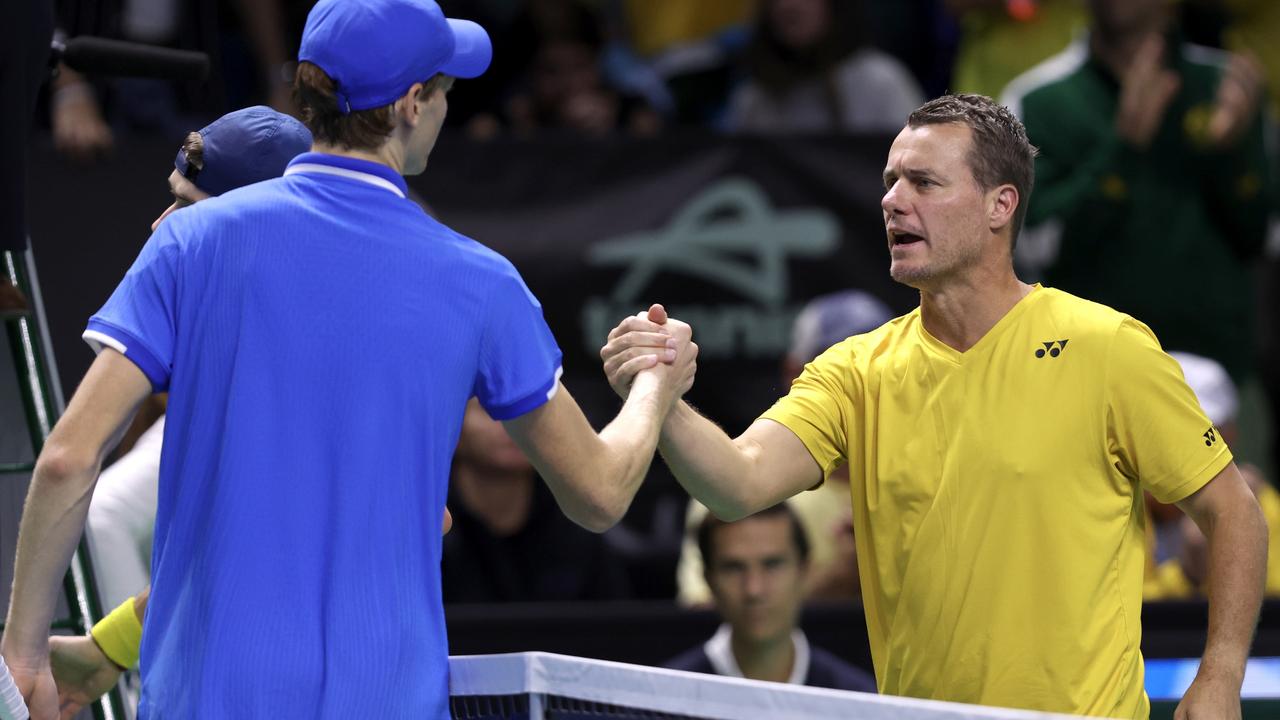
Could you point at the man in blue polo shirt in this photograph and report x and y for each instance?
(319, 336)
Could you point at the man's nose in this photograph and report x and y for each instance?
(892, 202)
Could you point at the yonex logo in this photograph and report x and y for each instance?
(1210, 437)
(1052, 348)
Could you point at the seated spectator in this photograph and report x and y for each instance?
(756, 569)
(657, 26)
(510, 543)
(563, 86)
(810, 69)
(681, 55)
(825, 512)
(1183, 573)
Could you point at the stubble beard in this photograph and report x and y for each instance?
(936, 268)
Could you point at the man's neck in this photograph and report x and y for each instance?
(388, 154)
(771, 660)
(966, 309)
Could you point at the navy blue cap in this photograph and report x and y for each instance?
(828, 319)
(245, 147)
(374, 50)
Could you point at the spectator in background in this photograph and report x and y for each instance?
(1185, 573)
(269, 60)
(1152, 180)
(825, 512)
(1000, 39)
(756, 569)
(655, 27)
(510, 543)
(563, 86)
(82, 113)
(810, 69)
(681, 55)
(79, 130)
(85, 116)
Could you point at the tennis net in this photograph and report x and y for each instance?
(545, 686)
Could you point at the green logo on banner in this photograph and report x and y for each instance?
(730, 236)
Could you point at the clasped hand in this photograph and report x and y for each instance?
(651, 342)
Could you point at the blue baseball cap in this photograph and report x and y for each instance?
(245, 147)
(374, 50)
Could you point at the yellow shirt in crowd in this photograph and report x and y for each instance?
(658, 25)
(996, 497)
(1167, 581)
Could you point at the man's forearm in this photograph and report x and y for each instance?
(52, 522)
(709, 464)
(58, 500)
(593, 476)
(1237, 575)
(632, 439)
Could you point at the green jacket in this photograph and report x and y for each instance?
(1167, 234)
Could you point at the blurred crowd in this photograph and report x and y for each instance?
(636, 66)
(1156, 193)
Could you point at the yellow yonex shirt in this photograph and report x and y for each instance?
(996, 497)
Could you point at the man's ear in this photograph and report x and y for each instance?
(407, 107)
(1003, 204)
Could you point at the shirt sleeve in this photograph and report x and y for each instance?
(1156, 431)
(520, 362)
(138, 320)
(816, 407)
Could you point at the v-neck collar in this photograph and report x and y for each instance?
(949, 353)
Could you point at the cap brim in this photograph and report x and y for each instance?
(472, 52)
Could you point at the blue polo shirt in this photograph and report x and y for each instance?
(319, 336)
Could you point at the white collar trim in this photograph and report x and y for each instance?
(344, 172)
(719, 650)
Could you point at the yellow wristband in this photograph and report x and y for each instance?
(120, 635)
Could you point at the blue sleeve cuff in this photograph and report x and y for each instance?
(100, 334)
(532, 401)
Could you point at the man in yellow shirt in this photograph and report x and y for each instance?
(998, 438)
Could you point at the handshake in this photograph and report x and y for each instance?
(652, 346)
